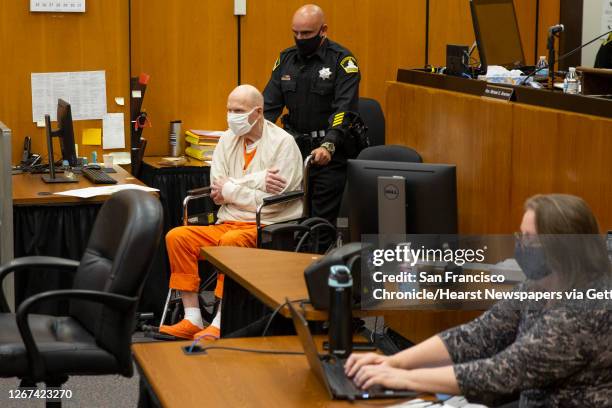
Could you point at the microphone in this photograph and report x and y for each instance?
(553, 31)
(558, 28)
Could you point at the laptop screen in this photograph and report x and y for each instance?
(497, 33)
(309, 346)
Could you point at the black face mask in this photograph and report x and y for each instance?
(307, 46)
(532, 261)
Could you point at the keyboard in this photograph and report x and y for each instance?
(98, 176)
(343, 387)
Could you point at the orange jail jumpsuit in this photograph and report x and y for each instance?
(184, 243)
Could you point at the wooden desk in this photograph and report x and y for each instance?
(226, 378)
(271, 276)
(27, 188)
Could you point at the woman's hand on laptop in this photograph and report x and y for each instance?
(383, 375)
(356, 361)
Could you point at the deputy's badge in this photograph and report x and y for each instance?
(349, 64)
(325, 73)
(276, 64)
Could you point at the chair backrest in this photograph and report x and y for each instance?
(372, 115)
(397, 153)
(119, 253)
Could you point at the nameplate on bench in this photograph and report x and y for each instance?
(498, 92)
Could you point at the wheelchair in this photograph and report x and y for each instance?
(301, 235)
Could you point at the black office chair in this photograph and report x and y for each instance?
(95, 337)
(372, 115)
(396, 153)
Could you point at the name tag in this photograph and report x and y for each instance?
(498, 92)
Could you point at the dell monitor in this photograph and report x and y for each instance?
(430, 194)
(65, 133)
(497, 33)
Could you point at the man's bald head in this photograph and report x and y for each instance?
(245, 96)
(307, 21)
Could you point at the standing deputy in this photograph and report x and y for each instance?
(318, 81)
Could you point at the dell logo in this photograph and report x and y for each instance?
(391, 192)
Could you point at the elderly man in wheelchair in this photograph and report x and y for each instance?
(254, 160)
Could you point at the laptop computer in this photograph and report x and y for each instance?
(330, 370)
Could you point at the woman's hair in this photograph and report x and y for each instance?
(570, 235)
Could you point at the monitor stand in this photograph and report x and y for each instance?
(59, 179)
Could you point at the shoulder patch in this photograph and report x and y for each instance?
(349, 64)
(276, 64)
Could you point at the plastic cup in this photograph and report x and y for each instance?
(108, 161)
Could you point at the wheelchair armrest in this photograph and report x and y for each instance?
(198, 191)
(282, 198)
(28, 262)
(112, 300)
(276, 199)
(195, 194)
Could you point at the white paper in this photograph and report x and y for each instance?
(104, 190)
(85, 91)
(606, 16)
(136, 94)
(113, 136)
(64, 6)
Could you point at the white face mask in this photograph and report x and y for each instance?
(239, 122)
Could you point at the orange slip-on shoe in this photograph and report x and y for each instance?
(183, 329)
(209, 333)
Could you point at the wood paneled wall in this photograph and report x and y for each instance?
(53, 42)
(504, 152)
(189, 48)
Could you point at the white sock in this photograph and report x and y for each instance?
(217, 320)
(194, 315)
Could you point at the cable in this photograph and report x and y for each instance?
(373, 333)
(243, 350)
(265, 330)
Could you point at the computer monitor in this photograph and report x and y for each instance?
(6, 208)
(65, 133)
(430, 196)
(497, 33)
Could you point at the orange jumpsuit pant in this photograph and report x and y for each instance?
(184, 245)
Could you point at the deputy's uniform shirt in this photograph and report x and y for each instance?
(314, 89)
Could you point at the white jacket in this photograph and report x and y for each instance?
(246, 189)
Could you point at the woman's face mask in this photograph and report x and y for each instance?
(239, 124)
(532, 260)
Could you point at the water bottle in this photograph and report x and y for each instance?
(176, 140)
(571, 82)
(542, 67)
(94, 157)
(340, 285)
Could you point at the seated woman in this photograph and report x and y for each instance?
(554, 355)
